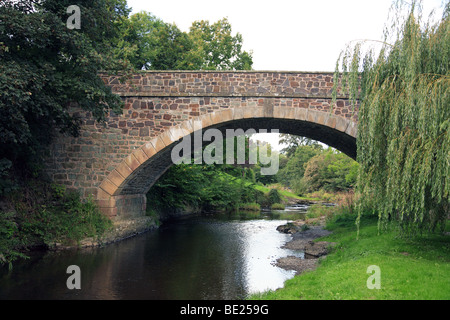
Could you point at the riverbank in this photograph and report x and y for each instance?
(120, 230)
(413, 268)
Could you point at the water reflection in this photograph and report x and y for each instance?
(217, 257)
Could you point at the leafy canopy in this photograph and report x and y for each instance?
(152, 44)
(44, 67)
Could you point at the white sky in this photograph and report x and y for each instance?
(287, 35)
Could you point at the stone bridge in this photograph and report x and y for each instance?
(117, 162)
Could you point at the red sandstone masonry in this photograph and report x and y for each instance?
(225, 83)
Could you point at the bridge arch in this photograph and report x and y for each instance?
(123, 192)
(117, 162)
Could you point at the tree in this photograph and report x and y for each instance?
(331, 171)
(294, 170)
(404, 121)
(292, 142)
(151, 44)
(46, 67)
(215, 48)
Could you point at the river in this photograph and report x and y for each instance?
(221, 257)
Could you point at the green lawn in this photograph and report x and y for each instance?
(414, 268)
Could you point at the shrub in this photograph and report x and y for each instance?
(277, 206)
(9, 242)
(250, 207)
(44, 215)
(274, 196)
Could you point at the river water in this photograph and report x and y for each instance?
(219, 257)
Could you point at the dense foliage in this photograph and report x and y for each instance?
(152, 44)
(292, 171)
(311, 168)
(331, 171)
(45, 67)
(404, 120)
(216, 48)
(202, 188)
(46, 215)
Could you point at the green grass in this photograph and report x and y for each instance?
(250, 207)
(278, 206)
(416, 268)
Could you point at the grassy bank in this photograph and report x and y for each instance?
(44, 215)
(410, 268)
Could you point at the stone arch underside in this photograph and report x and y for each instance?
(123, 193)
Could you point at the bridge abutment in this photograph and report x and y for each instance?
(122, 206)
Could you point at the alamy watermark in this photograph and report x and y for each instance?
(257, 153)
(74, 281)
(74, 21)
(374, 281)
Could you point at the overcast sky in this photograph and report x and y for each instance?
(285, 35)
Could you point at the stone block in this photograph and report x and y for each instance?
(116, 178)
(300, 114)
(311, 116)
(278, 112)
(140, 155)
(250, 112)
(166, 137)
(109, 212)
(124, 169)
(268, 108)
(352, 129)
(177, 133)
(289, 113)
(110, 203)
(187, 126)
(322, 117)
(238, 113)
(331, 121)
(341, 124)
(102, 194)
(108, 186)
(221, 116)
(206, 120)
(226, 115)
(158, 143)
(132, 162)
(149, 149)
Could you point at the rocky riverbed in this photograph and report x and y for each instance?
(304, 232)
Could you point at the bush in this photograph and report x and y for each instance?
(44, 215)
(277, 206)
(250, 207)
(9, 241)
(273, 196)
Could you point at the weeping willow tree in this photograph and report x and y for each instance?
(403, 140)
